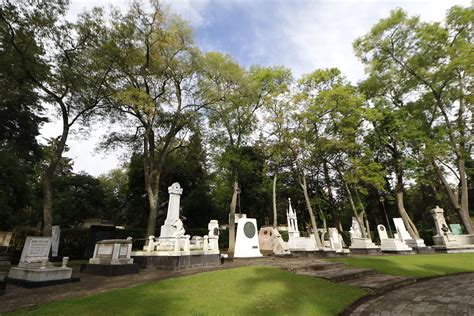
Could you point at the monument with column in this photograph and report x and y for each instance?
(174, 249)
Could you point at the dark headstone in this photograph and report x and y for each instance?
(97, 233)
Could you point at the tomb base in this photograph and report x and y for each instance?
(149, 260)
(453, 249)
(39, 277)
(393, 245)
(415, 243)
(109, 269)
(363, 245)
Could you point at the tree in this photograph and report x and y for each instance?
(56, 61)
(434, 64)
(233, 96)
(152, 86)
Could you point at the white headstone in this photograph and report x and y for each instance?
(55, 243)
(401, 229)
(35, 250)
(5, 238)
(382, 232)
(355, 231)
(246, 243)
(335, 239)
(173, 226)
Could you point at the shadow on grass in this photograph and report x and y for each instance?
(240, 291)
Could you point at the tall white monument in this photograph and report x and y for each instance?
(295, 242)
(173, 226)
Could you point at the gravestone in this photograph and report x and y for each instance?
(56, 232)
(271, 242)
(391, 244)
(336, 241)
(34, 268)
(445, 240)
(404, 236)
(360, 244)
(246, 242)
(5, 238)
(111, 258)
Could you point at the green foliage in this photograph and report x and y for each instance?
(264, 290)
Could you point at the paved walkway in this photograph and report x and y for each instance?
(450, 295)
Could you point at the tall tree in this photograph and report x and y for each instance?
(152, 86)
(57, 61)
(434, 63)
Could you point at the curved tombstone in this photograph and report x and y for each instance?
(246, 243)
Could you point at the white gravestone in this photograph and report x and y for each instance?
(113, 252)
(357, 241)
(173, 226)
(404, 235)
(391, 244)
(34, 265)
(55, 242)
(295, 242)
(270, 240)
(336, 241)
(246, 242)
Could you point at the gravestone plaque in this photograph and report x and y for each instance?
(456, 229)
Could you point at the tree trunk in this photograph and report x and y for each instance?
(359, 216)
(463, 213)
(400, 189)
(48, 175)
(406, 219)
(336, 220)
(152, 184)
(47, 204)
(275, 218)
(233, 206)
(310, 211)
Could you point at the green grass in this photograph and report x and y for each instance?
(417, 265)
(240, 291)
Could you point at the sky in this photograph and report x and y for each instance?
(302, 35)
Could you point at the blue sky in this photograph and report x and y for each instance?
(302, 35)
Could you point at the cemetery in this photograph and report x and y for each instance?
(224, 182)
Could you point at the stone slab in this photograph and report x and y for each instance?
(109, 270)
(40, 274)
(32, 285)
(175, 263)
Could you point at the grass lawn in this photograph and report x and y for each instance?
(415, 265)
(240, 291)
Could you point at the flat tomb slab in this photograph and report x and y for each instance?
(109, 269)
(174, 263)
(33, 278)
